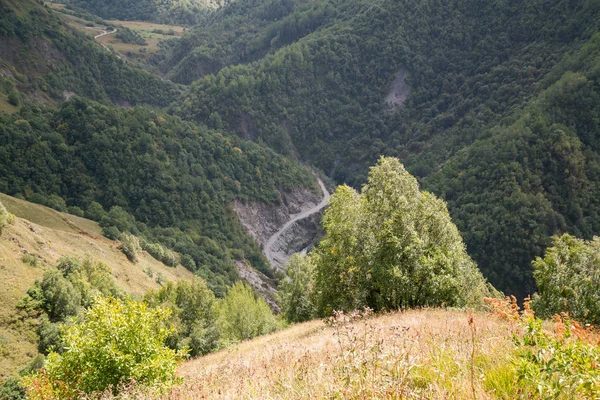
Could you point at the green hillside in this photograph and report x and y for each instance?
(48, 235)
(311, 78)
(44, 61)
(154, 175)
(187, 12)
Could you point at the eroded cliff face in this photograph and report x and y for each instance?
(262, 221)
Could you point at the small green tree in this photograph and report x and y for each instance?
(243, 315)
(194, 312)
(296, 292)
(117, 342)
(94, 211)
(61, 298)
(568, 279)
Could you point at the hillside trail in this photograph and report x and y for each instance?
(267, 249)
(103, 33)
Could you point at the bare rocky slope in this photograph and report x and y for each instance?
(281, 230)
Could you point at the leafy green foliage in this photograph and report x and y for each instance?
(296, 292)
(563, 366)
(390, 247)
(3, 217)
(61, 298)
(117, 341)
(130, 246)
(487, 126)
(568, 280)
(193, 312)
(244, 315)
(160, 178)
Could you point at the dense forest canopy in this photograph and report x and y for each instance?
(153, 175)
(47, 62)
(488, 124)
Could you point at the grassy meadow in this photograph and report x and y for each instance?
(30, 246)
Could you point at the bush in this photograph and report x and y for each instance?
(130, 246)
(95, 211)
(117, 342)
(193, 307)
(3, 217)
(243, 315)
(61, 298)
(74, 210)
(188, 262)
(30, 259)
(296, 291)
(160, 253)
(568, 279)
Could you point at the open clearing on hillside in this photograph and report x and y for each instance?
(49, 235)
(151, 32)
(432, 354)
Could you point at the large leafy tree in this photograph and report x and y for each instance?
(392, 246)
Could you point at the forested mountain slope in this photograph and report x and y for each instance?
(44, 61)
(311, 78)
(154, 175)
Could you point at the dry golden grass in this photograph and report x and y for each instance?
(426, 354)
(50, 235)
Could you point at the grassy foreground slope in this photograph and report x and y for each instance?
(416, 354)
(50, 235)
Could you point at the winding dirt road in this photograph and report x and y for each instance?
(103, 33)
(268, 247)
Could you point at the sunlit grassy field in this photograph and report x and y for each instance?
(421, 354)
(49, 235)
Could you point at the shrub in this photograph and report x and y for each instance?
(30, 259)
(94, 211)
(61, 299)
(117, 342)
(130, 246)
(193, 307)
(558, 364)
(50, 337)
(243, 315)
(568, 279)
(188, 262)
(171, 258)
(296, 291)
(3, 217)
(74, 210)
(160, 253)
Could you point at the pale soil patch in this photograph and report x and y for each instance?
(399, 90)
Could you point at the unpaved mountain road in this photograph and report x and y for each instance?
(268, 247)
(103, 33)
